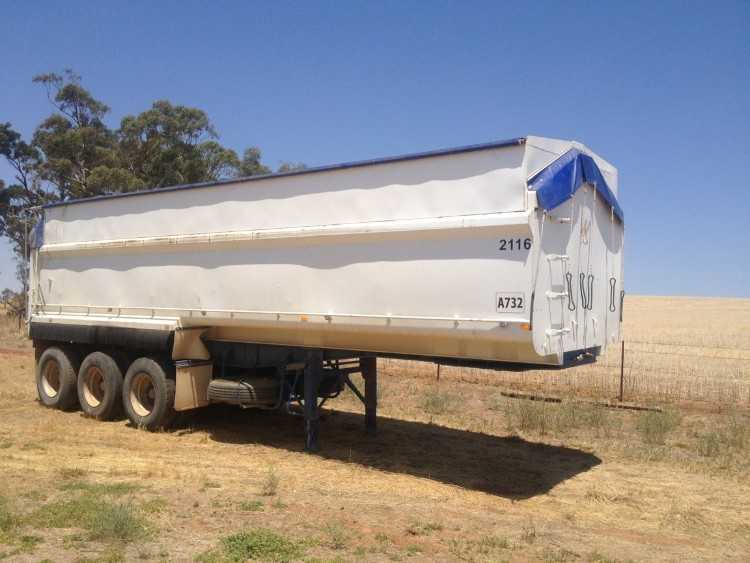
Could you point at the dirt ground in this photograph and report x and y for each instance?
(456, 472)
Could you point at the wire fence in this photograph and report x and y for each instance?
(670, 373)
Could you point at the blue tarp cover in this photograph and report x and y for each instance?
(558, 182)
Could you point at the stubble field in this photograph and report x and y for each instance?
(459, 471)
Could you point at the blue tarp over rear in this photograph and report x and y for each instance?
(558, 182)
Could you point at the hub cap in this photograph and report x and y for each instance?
(142, 394)
(93, 386)
(51, 378)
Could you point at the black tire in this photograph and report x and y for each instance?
(56, 374)
(100, 386)
(148, 394)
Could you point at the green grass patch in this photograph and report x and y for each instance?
(544, 417)
(337, 537)
(528, 416)
(251, 506)
(528, 532)
(101, 518)
(23, 544)
(423, 528)
(737, 434)
(73, 541)
(486, 548)
(496, 402)
(279, 504)
(413, 550)
(654, 427)
(71, 472)
(596, 557)
(9, 523)
(260, 544)
(8, 520)
(35, 495)
(270, 485)
(27, 544)
(110, 555)
(10, 526)
(600, 419)
(727, 440)
(559, 555)
(709, 444)
(31, 446)
(99, 489)
(436, 401)
(154, 506)
(117, 522)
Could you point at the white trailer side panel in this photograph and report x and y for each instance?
(471, 183)
(404, 256)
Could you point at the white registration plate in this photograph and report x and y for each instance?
(510, 302)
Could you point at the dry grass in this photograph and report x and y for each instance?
(270, 485)
(477, 477)
(10, 333)
(677, 350)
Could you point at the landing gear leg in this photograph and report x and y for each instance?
(313, 373)
(369, 368)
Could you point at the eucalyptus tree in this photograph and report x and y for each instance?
(73, 153)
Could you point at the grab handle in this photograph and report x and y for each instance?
(571, 299)
(582, 287)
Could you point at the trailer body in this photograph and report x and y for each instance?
(441, 255)
(272, 291)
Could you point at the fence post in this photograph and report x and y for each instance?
(622, 367)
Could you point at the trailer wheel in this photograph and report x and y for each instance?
(100, 386)
(56, 372)
(148, 395)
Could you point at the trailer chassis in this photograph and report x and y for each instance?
(68, 354)
(183, 366)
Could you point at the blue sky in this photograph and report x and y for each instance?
(660, 89)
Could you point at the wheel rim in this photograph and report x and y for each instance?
(93, 386)
(51, 378)
(142, 394)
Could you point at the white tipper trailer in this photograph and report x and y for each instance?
(271, 291)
